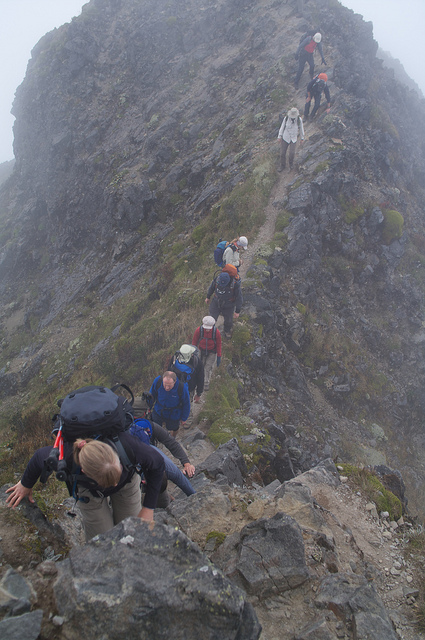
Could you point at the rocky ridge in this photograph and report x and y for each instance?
(127, 125)
(308, 558)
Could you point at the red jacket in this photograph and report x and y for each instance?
(206, 343)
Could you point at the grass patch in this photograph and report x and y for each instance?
(393, 225)
(370, 484)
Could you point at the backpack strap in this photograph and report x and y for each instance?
(124, 386)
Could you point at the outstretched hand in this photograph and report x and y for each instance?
(17, 493)
(189, 470)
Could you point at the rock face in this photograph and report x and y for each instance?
(143, 582)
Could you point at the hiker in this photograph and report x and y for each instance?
(188, 367)
(291, 127)
(208, 340)
(305, 54)
(314, 90)
(151, 433)
(226, 297)
(171, 401)
(100, 474)
(231, 252)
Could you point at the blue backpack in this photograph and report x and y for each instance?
(218, 253)
(142, 429)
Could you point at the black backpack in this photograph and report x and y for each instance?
(90, 412)
(95, 412)
(224, 291)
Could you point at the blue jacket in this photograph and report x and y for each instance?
(168, 404)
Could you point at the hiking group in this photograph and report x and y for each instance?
(105, 443)
(292, 126)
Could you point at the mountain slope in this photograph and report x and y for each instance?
(146, 131)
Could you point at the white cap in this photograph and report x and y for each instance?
(186, 352)
(208, 322)
(317, 37)
(243, 242)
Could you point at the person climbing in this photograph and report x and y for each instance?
(208, 340)
(231, 252)
(305, 53)
(226, 298)
(108, 490)
(314, 90)
(171, 401)
(188, 367)
(151, 433)
(291, 127)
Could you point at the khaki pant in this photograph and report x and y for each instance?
(101, 514)
(208, 360)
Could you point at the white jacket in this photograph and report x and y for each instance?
(290, 128)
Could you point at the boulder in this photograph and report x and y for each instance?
(145, 581)
(266, 557)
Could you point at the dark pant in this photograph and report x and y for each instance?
(305, 56)
(227, 312)
(317, 98)
(171, 425)
(283, 149)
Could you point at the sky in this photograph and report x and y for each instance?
(398, 29)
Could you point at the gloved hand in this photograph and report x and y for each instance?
(218, 360)
(296, 56)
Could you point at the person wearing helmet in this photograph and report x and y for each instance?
(314, 90)
(291, 127)
(231, 253)
(226, 297)
(305, 53)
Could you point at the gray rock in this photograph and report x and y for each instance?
(266, 557)
(168, 589)
(228, 461)
(24, 627)
(353, 599)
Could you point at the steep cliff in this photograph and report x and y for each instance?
(146, 131)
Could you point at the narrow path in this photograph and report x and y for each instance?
(266, 232)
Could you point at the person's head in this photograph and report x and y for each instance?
(169, 380)
(185, 353)
(293, 113)
(208, 322)
(98, 461)
(223, 279)
(317, 37)
(242, 242)
(323, 76)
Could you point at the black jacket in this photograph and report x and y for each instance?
(151, 462)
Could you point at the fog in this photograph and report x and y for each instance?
(398, 28)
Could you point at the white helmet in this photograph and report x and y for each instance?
(317, 37)
(243, 242)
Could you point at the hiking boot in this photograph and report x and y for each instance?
(227, 334)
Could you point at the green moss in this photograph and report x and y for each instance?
(393, 226)
(218, 536)
(322, 166)
(368, 482)
(282, 221)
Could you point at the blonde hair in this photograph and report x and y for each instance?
(98, 461)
